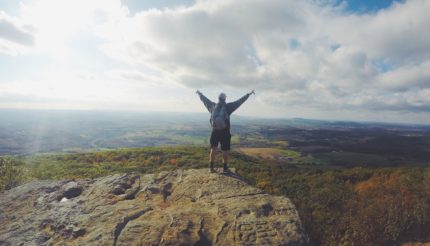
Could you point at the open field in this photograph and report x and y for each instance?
(275, 154)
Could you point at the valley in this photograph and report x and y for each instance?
(361, 183)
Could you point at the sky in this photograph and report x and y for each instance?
(360, 60)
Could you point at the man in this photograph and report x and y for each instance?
(220, 122)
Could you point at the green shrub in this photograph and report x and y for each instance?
(11, 173)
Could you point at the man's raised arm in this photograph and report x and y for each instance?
(208, 103)
(236, 104)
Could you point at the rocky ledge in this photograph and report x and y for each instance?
(183, 207)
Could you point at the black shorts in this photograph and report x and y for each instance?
(221, 136)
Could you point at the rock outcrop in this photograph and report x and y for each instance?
(183, 207)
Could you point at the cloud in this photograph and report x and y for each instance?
(15, 38)
(388, 33)
(303, 53)
(307, 56)
(13, 32)
(408, 77)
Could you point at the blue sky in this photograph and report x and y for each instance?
(364, 6)
(139, 5)
(327, 59)
(360, 6)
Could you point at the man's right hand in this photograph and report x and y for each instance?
(198, 92)
(252, 92)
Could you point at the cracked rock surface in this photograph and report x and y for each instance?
(183, 207)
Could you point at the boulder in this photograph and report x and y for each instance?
(182, 207)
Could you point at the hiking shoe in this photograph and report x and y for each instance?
(212, 170)
(225, 168)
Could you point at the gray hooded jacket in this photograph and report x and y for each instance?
(230, 107)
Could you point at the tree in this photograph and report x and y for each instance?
(11, 174)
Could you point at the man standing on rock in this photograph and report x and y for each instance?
(220, 122)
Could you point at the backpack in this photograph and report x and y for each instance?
(219, 117)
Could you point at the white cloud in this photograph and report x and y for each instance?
(307, 56)
(397, 34)
(295, 52)
(13, 32)
(407, 77)
(15, 37)
(58, 23)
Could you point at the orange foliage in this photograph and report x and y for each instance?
(390, 206)
(262, 184)
(379, 181)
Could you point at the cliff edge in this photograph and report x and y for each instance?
(183, 207)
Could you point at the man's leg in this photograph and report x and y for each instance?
(212, 158)
(225, 147)
(212, 154)
(214, 145)
(225, 159)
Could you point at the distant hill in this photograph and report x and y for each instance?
(24, 132)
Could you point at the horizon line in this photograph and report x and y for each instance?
(190, 112)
